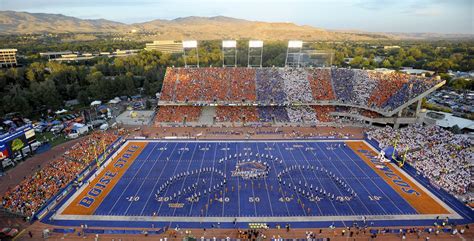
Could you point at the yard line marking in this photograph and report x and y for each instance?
(210, 182)
(174, 171)
(149, 171)
(378, 187)
(199, 175)
(186, 177)
(225, 187)
(128, 184)
(238, 181)
(332, 203)
(159, 177)
(266, 186)
(344, 177)
(274, 170)
(291, 177)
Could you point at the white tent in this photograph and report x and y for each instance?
(60, 112)
(116, 100)
(96, 102)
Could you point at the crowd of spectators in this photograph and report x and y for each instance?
(270, 86)
(301, 113)
(273, 113)
(32, 192)
(296, 85)
(323, 113)
(86, 150)
(443, 157)
(343, 84)
(177, 114)
(285, 88)
(209, 84)
(290, 85)
(388, 84)
(236, 114)
(321, 84)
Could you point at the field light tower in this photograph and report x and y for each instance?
(255, 53)
(191, 47)
(229, 53)
(293, 53)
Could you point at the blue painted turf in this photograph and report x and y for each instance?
(134, 194)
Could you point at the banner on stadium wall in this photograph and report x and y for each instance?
(18, 143)
(30, 136)
(3, 151)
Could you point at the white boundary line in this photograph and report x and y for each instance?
(453, 214)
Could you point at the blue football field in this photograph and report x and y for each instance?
(251, 179)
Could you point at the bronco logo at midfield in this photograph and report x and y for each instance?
(251, 169)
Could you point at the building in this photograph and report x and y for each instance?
(386, 47)
(448, 120)
(412, 71)
(165, 46)
(124, 53)
(8, 58)
(54, 55)
(68, 56)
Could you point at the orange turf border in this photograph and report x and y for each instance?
(423, 204)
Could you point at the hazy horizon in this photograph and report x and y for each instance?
(404, 16)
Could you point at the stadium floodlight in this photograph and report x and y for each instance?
(293, 53)
(295, 44)
(255, 44)
(189, 44)
(229, 43)
(229, 53)
(191, 48)
(255, 53)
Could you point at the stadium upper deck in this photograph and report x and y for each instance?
(287, 94)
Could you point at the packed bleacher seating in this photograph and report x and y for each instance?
(370, 91)
(270, 113)
(242, 84)
(236, 114)
(321, 85)
(441, 156)
(85, 150)
(28, 196)
(296, 85)
(301, 114)
(388, 85)
(176, 114)
(343, 84)
(323, 113)
(209, 84)
(270, 86)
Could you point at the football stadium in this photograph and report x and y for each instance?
(248, 153)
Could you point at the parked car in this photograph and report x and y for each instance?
(8, 232)
(40, 128)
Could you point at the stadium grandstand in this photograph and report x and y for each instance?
(249, 153)
(196, 96)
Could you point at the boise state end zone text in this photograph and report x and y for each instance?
(96, 191)
(405, 187)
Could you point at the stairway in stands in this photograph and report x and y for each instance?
(207, 115)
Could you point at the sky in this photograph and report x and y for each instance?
(436, 16)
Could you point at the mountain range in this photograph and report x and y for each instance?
(219, 27)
